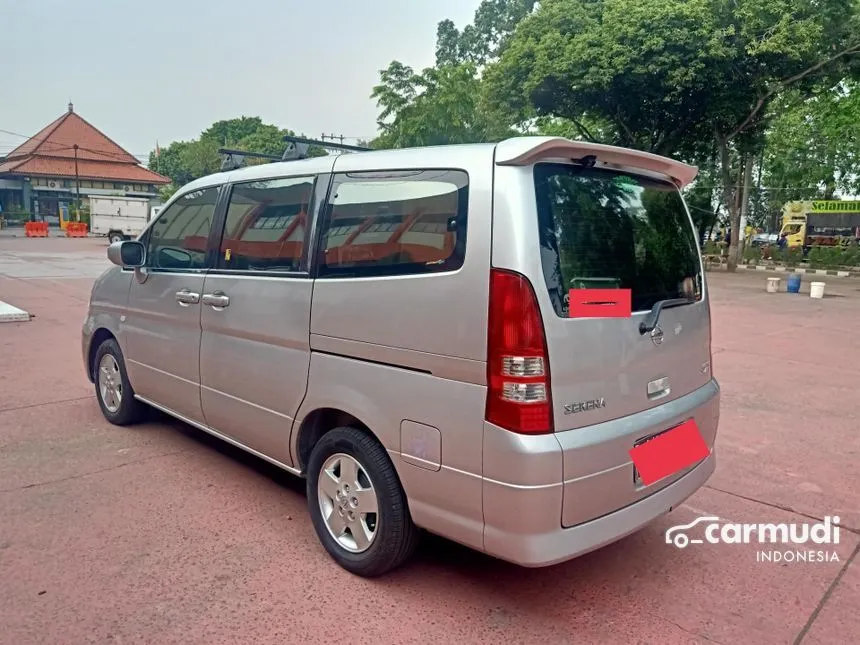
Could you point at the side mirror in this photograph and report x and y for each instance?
(129, 253)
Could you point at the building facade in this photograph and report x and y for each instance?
(70, 159)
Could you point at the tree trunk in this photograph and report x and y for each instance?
(729, 199)
(735, 222)
(745, 204)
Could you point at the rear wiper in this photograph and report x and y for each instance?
(653, 316)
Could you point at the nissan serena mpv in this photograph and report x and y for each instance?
(397, 327)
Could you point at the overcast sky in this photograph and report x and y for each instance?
(165, 70)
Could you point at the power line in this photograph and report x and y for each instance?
(44, 139)
(139, 155)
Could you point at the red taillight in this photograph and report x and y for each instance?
(518, 398)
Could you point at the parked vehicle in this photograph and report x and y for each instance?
(821, 223)
(764, 239)
(395, 327)
(119, 218)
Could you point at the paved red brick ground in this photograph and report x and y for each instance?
(159, 534)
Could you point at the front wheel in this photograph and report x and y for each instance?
(113, 391)
(357, 505)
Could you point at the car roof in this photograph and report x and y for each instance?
(513, 151)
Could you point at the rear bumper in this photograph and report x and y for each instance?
(524, 519)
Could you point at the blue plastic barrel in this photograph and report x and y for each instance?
(793, 283)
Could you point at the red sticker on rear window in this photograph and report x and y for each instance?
(599, 303)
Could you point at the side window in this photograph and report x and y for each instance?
(177, 240)
(265, 225)
(395, 223)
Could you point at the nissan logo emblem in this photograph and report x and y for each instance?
(657, 335)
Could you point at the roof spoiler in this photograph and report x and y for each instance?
(523, 151)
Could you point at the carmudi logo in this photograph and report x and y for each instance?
(816, 537)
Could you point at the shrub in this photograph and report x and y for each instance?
(833, 257)
(790, 257)
(753, 253)
(711, 248)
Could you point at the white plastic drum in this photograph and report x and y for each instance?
(816, 289)
(772, 285)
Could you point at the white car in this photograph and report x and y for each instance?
(760, 239)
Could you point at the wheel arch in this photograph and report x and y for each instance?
(99, 336)
(319, 422)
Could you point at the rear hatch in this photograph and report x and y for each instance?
(609, 229)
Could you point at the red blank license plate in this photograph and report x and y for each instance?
(669, 452)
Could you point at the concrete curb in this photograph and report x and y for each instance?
(10, 313)
(781, 268)
(6, 233)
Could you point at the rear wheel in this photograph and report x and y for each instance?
(116, 237)
(113, 391)
(357, 505)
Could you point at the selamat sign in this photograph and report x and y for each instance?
(835, 207)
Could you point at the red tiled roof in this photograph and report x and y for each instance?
(59, 138)
(51, 152)
(53, 167)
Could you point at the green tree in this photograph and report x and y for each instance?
(486, 37)
(184, 161)
(439, 106)
(443, 104)
(813, 144)
(230, 132)
(675, 78)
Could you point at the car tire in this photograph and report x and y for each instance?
(393, 537)
(116, 237)
(113, 391)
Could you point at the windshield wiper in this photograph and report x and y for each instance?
(650, 322)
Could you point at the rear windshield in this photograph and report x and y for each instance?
(605, 229)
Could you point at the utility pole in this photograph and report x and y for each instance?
(77, 187)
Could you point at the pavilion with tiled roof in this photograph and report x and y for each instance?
(67, 157)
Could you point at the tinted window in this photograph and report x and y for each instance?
(395, 223)
(265, 227)
(607, 229)
(178, 238)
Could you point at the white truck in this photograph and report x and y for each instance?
(119, 218)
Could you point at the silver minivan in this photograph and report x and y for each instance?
(397, 327)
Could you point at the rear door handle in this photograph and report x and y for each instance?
(185, 297)
(659, 388)
(217, 300)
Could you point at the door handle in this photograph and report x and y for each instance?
(185, 297)
(659, 388)
(217, 300)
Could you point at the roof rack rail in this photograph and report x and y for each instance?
(302, 144)
(297, 148)
(233, 159)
